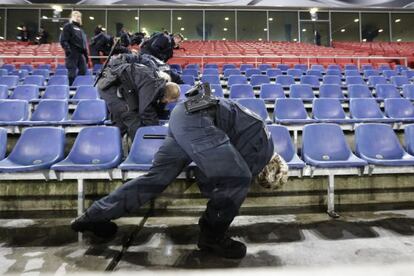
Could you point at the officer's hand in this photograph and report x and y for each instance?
(274, 174)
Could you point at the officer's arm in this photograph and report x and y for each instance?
(65, 37)
(159, 45)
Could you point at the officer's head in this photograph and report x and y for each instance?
(178, 38)
(172, 93)
(76, 16)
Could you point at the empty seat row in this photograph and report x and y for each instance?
(12, 81)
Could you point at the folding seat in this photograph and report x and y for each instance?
(383, 67)
(83, 80)
(367, 110)
(50, 112)
(301, 67)
(3, 72)
(263, 67)
(314, 72)
(211, 66)
(354, 80)
(188, 79)
(367, 67)
(228, 66)
(12, 111)
(193, 66)
(408, 91)
(61, 66)
(241, 91)
(285, 81)
(333, 72)
(235, 79)
(34, 80)
(290, 111)
(408, 74)
(97, 68)
(324, 145)
(212, 79)
(10, 81)
(58, 80)
(271, 91)
(351, 67)
(85, 92)
(191, 72)
(283, 67)
(4, 92)
(332, 80)
(26, 92)
(253, 71)
(9, 67)
(295, 73)
(88, 112)
(359, 91)
(399, 81)
(329, 110)
(41, 72)
(408, 138)
(313, 81)
(3, 143)
(176, 67)
(20, 73)
(283, 145)
(230, 72)
(399, 109)
(45, 66)
(60, 72)
(301, 91)
(217, 90)
(57, 92)
(386, 91)
(375, 80)
(146, 143)
(27, 67)
(334, 67)
(244, 67)
(333, 91)
(257, 106)
(211, 71)
(95, 148)
(379, 145)
(371, 73)
(37, 149)
(318, 67)
(273, 73)
(352, 73)
(257, 80)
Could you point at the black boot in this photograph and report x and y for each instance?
(224, 247)
(103, 229)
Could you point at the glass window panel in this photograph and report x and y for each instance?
(345, 26)
(220, 25)
(283, 26)
(19, 17)
(309, 29)
(189, 23)
(375, 27)
(122, 18)
(251, 25)
(320, 16)
(91, 19)
(400, 26)
(53, 23)
(151, 21)
(2, 18)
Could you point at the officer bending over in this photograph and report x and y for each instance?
(100, 43)
(161, 45)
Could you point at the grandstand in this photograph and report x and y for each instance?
(341, 114)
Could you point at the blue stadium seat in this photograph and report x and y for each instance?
(3, 72)
(97, 68)
(332, 80)
(352, 73)
(301, 91)
(244, 67)
(146, 143)
(212, 79)
(378, 145)
(399, 81)
(45, 66)
(252, 71)
(389, 73)
(383, 67)
(283, 146)
(367, 110)
(351, 67)
(57, 92)
(89, 112)
(229, 72)
(241, 91)
(211, 71)
(83, 80)
(85, 92)
(61, 66)
(314, 72)
(367, 67)
(12, 111)
(188, 79)
(371, 73)
(408, 91)
(318, 67)
(4, 92)
(329, 110)
(26, 92)
(290, 111)
(50, 112)
(34, 80)
(263, 67)
(285, 81)
(283, 67)
(374, 80)
(409, 74)
(408, 138)
(58, 80)
(333, 67)
(354, 80)
(41, 72)
(22, 73)
(27, 67)
(38, 148)
(191, 72)
(257, 106)
(217, 90)
(325, 146)
(257, 80)
(399, 109)
(331, 91)
(3, 143)
(386, 91)
(302, 67)
(228, 66)
(271, 92)
(296, 73)
(359, 91)
(211, 66)
(313, 81)
(176, 67)
(193, 66)
(10, 81)
(234, 79)
(9, 67)
(333, 72)
(273, 72)
(95, 148)
(60, 72)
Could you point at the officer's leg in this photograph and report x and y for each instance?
(82, 65)
(71, 64)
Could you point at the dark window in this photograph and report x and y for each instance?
(151, 21)
(345, 26)
(375, 27)
(53, 22)
(283, 26)
(402, 26)
(91, 19)
(117, 19)
(189, 24)
(252, 25)
(16, 18)
(220, 25)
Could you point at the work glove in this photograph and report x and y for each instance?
(275, 174)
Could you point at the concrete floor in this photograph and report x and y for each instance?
(382, 242)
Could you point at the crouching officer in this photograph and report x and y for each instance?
(74, 43)
(161, 45)
(230, 146)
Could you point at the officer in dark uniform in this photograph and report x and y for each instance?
(100, 43)
(73, 41)
(161, 45)
(230, 146)
(124, 37)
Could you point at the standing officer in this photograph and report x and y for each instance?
(73, 41)
(100, 43)
(230, 146)
(161, 45)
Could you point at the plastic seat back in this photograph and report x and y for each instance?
(50, 111)
(386, 91)
(13, 110)
(85, 92)
(285, 80)
(57, 92)
(257, 106)
(90, 110)
(58, 80)
(328, 109)
(4, 92)
(331, 91)
(257, 80)
(365, 108)
(399, 108)
(302, 91)
(290, 109)
(86, 80)
(332, 80)
(34, 80)
(10, 81)
(253, 71)
(3, 143)
(212, 79)
(271, 91)
(26, 92)
(282, 142)
(234, 79)
(241, 91)
(229, 72)
(359, 91)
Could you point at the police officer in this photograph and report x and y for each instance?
(100, 43)
(230, 146)
(161, 45)
(124, 37)
(73, 41)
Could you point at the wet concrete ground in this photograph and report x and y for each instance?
(168, 244)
